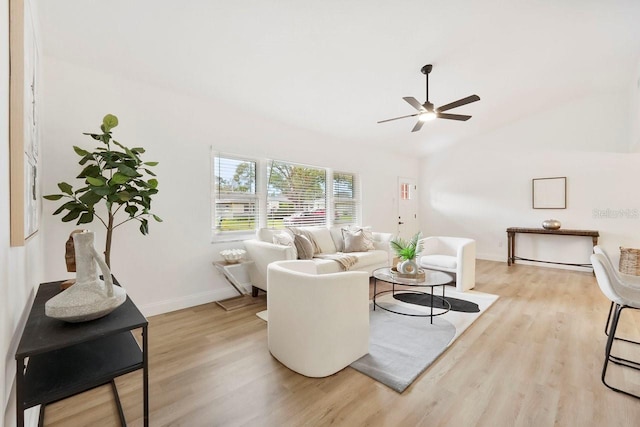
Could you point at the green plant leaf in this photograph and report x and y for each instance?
(126, 170)
(102, 191)
(79, 151)
(90, 198)
(85, 159)
(109, 122)
(71, 215)
(151, 163)
(149, 172)
(97, 182)
(118, 178)
(91, 170)
(65, 188)
(85, 218)
(124, 196)
(144, 226)
(157, 218)
(53, 197)
(131, 210)
(138, 150)
(153, 183)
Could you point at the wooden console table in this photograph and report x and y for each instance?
(511, 242)
(65, 359)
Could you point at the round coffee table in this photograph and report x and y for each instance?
(431, 280)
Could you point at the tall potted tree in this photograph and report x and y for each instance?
(114, 175)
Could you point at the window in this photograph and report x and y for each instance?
(296, 195)
(252, 193)
(235, 198)
(345, 198)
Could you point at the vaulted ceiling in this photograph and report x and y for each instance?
(337, 67)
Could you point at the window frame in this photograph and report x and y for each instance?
(235, 235)
(262, 198)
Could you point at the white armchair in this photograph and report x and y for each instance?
(453, 255)
(318, 323)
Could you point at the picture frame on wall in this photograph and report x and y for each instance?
(24, 138)
(549, 193)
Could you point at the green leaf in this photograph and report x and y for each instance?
(95, 136)
(72, 215)
(151, 163)
(65, 188)
(131, 210)
(118, 178)
(86, 218)
(126, 170)
(79, 151)
(102, 191)
(90, 198)
(150, 172)
(85, 159)
(60, 209)
(91, 170)
(153, 183)
(124, 196)
(53, 197)
(157, 218)
(144, 226)
(109, 122)
(138, 150)
(97, 182)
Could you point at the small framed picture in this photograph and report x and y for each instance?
(549, 193)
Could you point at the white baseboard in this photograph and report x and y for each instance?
(187, 301)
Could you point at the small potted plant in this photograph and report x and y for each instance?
(407, 250)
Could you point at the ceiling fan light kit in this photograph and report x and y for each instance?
(427, 112)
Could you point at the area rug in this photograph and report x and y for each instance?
(402, 347)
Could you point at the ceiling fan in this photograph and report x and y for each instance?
(426, 111)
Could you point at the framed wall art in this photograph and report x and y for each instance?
(549, 193)
(24, 138)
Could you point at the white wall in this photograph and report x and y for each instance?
(20, 267)
(482, 186)
(171, 268)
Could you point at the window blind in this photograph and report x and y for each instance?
(235, 199)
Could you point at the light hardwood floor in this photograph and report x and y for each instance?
(533, 359)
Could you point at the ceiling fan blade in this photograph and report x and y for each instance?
(414, 103)
(418, 126)
(460, 117)
(458, 103)
(396, 118)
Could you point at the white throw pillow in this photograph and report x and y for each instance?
(285, 239)
(368, 236)
(355, 241)
(322, 237)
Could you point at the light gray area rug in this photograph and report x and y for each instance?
(402, 347)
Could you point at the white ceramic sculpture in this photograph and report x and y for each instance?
(90, 298)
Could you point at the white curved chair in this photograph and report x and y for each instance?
(453, 255)
(318, 323)
(622, 296)
(626, 279)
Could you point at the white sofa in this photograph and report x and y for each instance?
(318, 323)
(262, 251)
(453, 255)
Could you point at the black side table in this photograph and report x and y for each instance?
(65, 359)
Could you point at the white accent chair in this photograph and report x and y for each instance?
(318, 323)
(622, 296)
(452, 255)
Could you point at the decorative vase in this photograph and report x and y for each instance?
(551, 224)
(90, 298)
(408, 267)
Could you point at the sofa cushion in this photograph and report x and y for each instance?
(365, 259)
(284, 239)
(439, 261)
(304, 247)
(266, 234)
(357, 240)
(323, 239)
